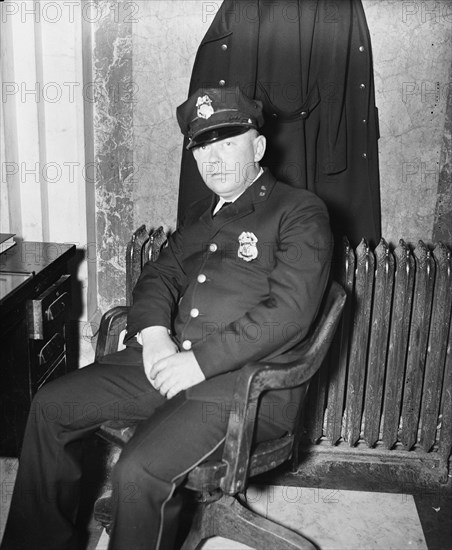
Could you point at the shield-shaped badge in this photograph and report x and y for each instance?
(247, 246)
(204, 107)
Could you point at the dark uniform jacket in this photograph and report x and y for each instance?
(242, 285)
(310, 63)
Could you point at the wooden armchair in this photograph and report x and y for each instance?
(219, 483)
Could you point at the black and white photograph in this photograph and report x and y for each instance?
(226, 275)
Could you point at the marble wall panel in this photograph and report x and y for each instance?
(113, 125)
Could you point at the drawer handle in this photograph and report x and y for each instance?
(56, 307)
(55, 344)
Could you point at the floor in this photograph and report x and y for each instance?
(332, 519)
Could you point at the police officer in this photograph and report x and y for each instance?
(240, 280)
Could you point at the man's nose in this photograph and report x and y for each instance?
(214, 153)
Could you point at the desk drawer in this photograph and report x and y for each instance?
(57, 369)
(45, 354)
(49, 310)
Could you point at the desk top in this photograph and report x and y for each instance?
(31, 265)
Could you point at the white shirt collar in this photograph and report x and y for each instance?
(221, 201)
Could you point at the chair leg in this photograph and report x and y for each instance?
(203, 526)
(228, 518)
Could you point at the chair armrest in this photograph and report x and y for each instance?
(113, 322)
(255, 378)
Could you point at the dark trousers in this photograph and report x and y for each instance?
(173, 437)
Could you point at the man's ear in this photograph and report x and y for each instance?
(260, 144)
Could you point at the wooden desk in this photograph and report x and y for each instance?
(34, 311)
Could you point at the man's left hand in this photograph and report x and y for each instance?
(175, 373)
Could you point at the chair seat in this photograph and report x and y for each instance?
(207, 476)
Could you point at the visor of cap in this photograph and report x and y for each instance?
(218, 134)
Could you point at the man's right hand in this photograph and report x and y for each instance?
(157, 344)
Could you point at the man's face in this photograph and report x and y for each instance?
(229, 166)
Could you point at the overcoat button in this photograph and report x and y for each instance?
(362, 86)
(194, 312)
(364, 155)
(224, 47)
(222, 82)
(213, 247)
(361, 48)
(304, 114)
(186, 344)
(202, 278)
(364, 121)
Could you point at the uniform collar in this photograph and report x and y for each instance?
(258, 192)
(221, 201)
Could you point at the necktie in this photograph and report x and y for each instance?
(223, 206)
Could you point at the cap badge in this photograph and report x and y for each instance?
(204, 106)
(247, 246)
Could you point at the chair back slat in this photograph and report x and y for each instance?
(144, 246)
(134, 260)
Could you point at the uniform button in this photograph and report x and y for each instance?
(213, 247)
(364, 121)
(304, 114)
(224, 47)
(202, 278)
(361, 48)
(362, 86)
(194, 312)
(186, 344)
(222, 82)
(274, 115)
(364, 155)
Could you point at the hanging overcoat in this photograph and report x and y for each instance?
(310, 63)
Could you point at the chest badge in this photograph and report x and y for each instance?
(247, 246)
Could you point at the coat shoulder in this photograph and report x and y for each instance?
(296, 197)
(195, 209)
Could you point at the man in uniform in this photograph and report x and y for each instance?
(240, 280)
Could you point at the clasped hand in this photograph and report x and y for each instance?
(169, 371)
